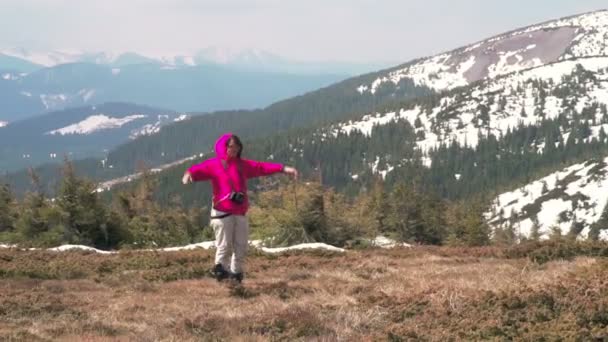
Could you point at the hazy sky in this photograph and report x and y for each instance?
(337, 30)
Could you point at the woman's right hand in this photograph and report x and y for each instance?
(187, 178)
(291, 171)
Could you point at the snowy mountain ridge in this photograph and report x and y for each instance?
(217, 55)
(573, 37)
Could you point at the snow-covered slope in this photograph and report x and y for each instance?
(153, 128)
(498, 105)
(573, 37)
(568, 201)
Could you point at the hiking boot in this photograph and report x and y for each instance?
(238, 277)
(219, 272)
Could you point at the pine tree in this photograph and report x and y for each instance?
(466, 224)
(555, 233)
(147, 223)
(477, 229)
(86, 217)
(505, 234)
(535, 230)
(379, 207)
(8, 214)
(40, 223)
(599, 225)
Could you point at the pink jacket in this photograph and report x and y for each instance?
(213, 169)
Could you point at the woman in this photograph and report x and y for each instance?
(228, 174)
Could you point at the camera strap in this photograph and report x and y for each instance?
(225, 167)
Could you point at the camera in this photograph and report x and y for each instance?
(237, 197)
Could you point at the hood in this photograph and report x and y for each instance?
(220, 146)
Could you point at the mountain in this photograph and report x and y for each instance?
(255, 59)
(504, 112)
(39, 59)
(567, 91)
(78, 133)
(196, 136)
(189, 88)
(536, 45)
(16, 65)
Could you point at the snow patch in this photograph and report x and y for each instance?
(384, 242)
(204, 245)
(9, 77)
(302, 246)
(95, 123)
(79, 247)
(53, 101)
(86, 94)
(182, 117)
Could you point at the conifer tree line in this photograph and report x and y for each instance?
(78, 215)
(283, 213)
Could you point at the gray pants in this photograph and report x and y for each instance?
(231, 238)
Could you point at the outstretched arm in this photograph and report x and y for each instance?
(198, 172)
(252, 168)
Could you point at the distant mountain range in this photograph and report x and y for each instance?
(201, 88)
(25, 60)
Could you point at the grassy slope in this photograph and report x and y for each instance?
(402, 294)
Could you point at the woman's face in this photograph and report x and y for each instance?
(232, 149)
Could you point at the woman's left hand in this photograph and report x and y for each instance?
(291, 171)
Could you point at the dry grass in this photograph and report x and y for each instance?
(418, 294)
